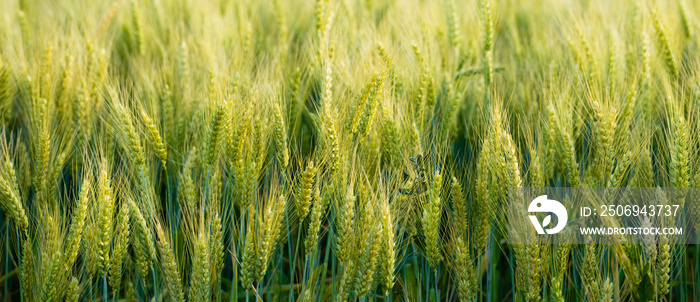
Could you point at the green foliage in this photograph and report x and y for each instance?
(337, 149)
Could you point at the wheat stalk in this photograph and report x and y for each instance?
(280, 135)
(345, 208)
(133, 142)
(27, 273)
(10, 199)
(173, 281)
(248, 263)
(49, 288)
(6, 92)
(430, 223)
(216, 128)
(356, 111)
(137, 23)
(332, 142)
(216, 245)
(188, 190)
(317, 210)
(679, 167)
(305, 191)
(142, 242)
(121, 244)
(669, 58)
(156, 139)
(75, 233)
(372, 104)
(200, 281)
(662, 268)
(483, 201)
(106, 211)
(73, 294)
(387, 249)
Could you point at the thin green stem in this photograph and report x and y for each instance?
(303, 278)
(9, 275)
(206, 186)
(490, 268)
(697, 264)
(104, 287)
(512, 276)
(404, 286)
(234, 277)
(294, 264)
(328, 250)
(415, 269)
(426, 268)
(437, 292)
(218, 290)
(116, 294)
(289, 243)
(238, 252)
(155, 282)
(616, 277)
(333, 261)
(92, 296)
(140, 284)
(478, 277)
(7, 254)
(19, 264)
(171, 209)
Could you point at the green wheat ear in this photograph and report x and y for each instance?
(317, 209)
(431, 221)
(173, 280)
(121, 245)
(464, 271)
(106, 213)
(10, 197)
(156, 139)
(137, 23)
(305, 191)
(248, 260)
(388, 251)
(345, 209)
(75, 233)
(664, 44)
(142, 240)
(216, 246)
(332, 142)
(200, 281)
(216, 129)
(48, 292)
(459, 204)
(27, 274)
(680, 165)
(280, 135)
(73, 294)
(132, 139)
(6, 92)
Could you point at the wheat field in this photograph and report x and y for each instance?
(337, 150)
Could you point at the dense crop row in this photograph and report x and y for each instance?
(337, 150)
